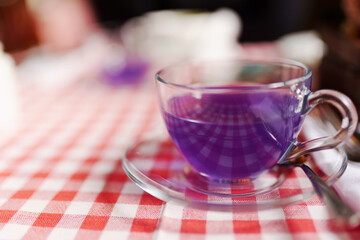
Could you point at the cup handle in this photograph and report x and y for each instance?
(348, 124)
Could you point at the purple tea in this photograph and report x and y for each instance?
(235, 135)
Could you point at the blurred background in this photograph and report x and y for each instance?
(263, 21)
(22, 21)
(54, 42)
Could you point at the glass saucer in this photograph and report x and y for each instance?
(155, 165)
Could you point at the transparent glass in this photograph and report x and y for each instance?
(232, 121)
(156, 166)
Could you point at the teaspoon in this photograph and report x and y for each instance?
(331, 199)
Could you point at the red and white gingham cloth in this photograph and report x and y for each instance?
(61, 177)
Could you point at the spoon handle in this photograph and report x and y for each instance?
(331, 199)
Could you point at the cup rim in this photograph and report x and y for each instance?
(273, 61)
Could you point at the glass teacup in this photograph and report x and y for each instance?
(234, 120)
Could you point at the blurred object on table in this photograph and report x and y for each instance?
(340, 67)
(121, 68)
(59, 69)
(171, 36)
(265, 20)
(159, 33)
(54, 42)
(17, 26)
(9, 102)
(351, 24)
(306, 47)
(62, 24)
(57, 24)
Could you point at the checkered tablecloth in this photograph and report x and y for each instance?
(61, 177)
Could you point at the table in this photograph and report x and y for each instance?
(61, 176)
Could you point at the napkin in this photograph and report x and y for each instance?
(348, 185)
